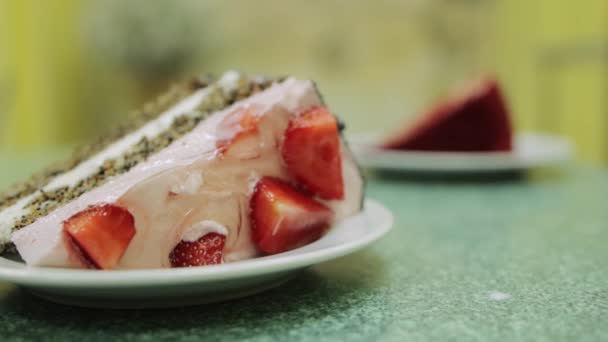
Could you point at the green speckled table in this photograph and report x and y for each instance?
(517, 258)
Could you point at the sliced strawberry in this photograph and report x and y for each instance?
(282, 218)
(242, 128)
(101, 234)
(311, 151)
(207, 250)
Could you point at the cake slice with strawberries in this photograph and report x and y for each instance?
(475, 119)
(218, 171)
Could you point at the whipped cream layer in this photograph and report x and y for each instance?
(189, 189)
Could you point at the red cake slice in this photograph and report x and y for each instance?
(474, 120)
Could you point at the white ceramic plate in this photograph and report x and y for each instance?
(530, 150)
(196, 285)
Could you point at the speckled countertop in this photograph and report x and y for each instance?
(480, 260)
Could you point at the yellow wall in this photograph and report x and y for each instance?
(48, 65)
(59, 93)
(553, 56)
(550, 55)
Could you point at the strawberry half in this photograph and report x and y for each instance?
(100, 234)
(242, 126)
(208, 250)
(311, 150)
(282, 218)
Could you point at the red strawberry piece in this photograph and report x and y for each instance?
(283, 218)
(241, 127)
(474, 120)
(100, 234)
(208, 250)
(311, 150)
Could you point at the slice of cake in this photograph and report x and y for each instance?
(215, 171)
(476, 119)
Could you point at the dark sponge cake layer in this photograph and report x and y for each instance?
(149, 111)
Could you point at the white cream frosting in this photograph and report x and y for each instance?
(202, 228)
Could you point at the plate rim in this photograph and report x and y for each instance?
(47, 277)
(374, 157)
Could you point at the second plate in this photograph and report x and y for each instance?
(530, 150)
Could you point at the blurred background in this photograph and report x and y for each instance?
(71, 68)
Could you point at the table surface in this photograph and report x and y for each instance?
(516, 258)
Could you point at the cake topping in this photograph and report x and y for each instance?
(100, 235)
(202, 228)
(282, 218)
(207, 250)
(238, 133)
(311, 151)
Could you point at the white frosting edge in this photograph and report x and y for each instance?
(202, 228)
